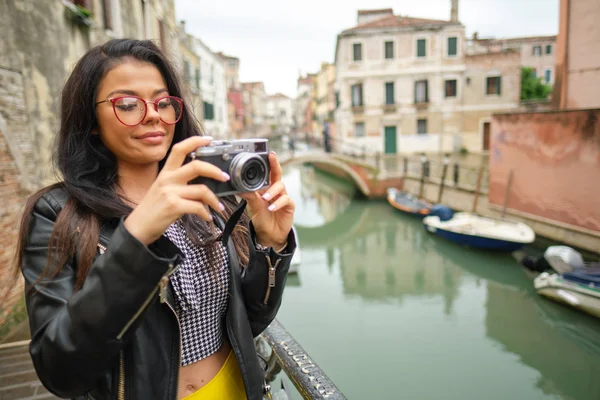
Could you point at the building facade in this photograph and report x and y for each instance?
(578, 69)
(537, 52)
(213, 89)
(407, 85)
(279, 114)
(255, 97)
(232, 71)
(303, 105)
(324, 100)
(190, 67)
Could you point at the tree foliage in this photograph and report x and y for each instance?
(532, 87)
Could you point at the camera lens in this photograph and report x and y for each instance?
(248, 172)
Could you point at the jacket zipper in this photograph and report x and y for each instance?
(121, 387)
(163, 299)
(102, 248)
(271, 278)
(146, 303)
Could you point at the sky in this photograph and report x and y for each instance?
(276, 40)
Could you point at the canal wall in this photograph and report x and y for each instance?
(462, 200)
(554, 159)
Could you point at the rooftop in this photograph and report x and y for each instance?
(394, 21)
(379, 11)
(514, 40)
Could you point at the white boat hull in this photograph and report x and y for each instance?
(481, 232)
(581, 297)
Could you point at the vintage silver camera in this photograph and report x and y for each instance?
(245, 160)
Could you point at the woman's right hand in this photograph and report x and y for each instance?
(170, 196)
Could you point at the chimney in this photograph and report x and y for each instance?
(454, 11)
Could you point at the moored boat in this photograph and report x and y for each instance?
(408, 203)
(579, 289)
(472, 230)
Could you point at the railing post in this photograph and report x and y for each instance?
(456, 173)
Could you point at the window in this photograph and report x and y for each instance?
(422, 126)
(537, 50)
(357, 95)
(548, 49)
(547, 75)
(450, 88)
(357, 52)
(359, 129)
(492, 85)
(389, 50)
(421, 48)
(421, 95)
(389, 93)
(198, 78)
(209, 111)
(337, 99)
(452, 46)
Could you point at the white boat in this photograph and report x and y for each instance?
(479, 232)
(579, 289)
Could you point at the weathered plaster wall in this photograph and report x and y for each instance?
(555, 158)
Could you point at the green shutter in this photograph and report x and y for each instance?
(389, 93)
(390, 139)
(357, 50)
(389, 50)
(421, 48)
(452, 44)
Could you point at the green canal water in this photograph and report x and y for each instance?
(392, 312)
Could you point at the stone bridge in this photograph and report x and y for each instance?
(362, 174)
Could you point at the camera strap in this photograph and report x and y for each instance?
(232, 221)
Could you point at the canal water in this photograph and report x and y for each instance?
(392, 312)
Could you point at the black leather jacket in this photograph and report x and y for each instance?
(118, 337)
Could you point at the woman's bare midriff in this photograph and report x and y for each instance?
(193, 376)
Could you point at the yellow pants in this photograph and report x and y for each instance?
(226, 385)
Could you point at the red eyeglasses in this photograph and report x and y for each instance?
(131, 110)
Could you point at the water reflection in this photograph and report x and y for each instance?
(376, 267)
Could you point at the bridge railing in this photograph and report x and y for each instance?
(282, 352)
(461, 172)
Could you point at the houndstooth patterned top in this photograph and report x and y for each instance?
(201, 295)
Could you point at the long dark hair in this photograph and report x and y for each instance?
(89, 170)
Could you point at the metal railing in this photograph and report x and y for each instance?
(284, 353)
(461, 172)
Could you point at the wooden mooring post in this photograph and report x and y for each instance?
(478, 188)
(507, 193)
(444, 171)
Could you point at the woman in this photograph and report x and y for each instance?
(135, 287)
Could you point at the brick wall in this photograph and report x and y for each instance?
(15, 150)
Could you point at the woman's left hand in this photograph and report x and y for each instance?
(272, 209)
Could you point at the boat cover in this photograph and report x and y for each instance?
(585, 276)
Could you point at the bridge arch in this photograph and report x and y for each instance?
(332, 161)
